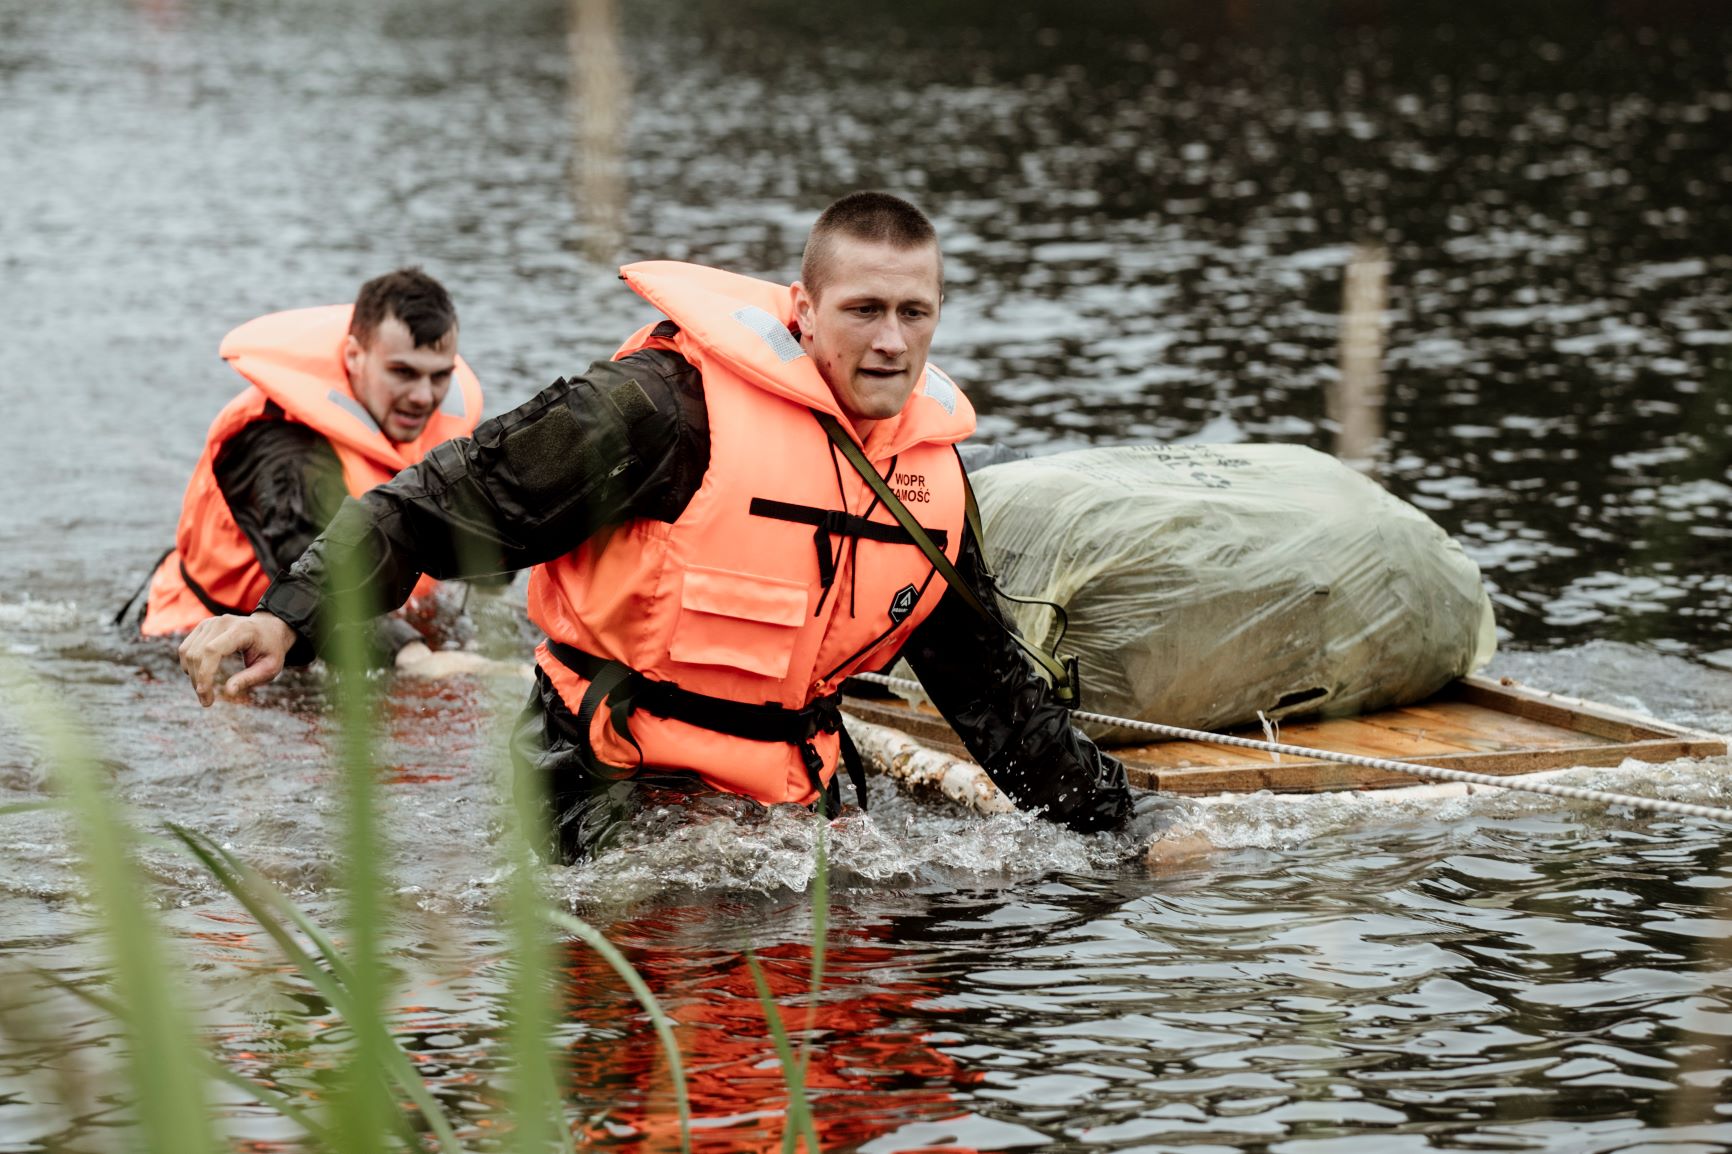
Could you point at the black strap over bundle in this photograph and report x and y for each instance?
(623, 690)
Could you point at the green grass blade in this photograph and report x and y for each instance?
(799, 1110)
(398, 1064)
(363, 1100)
(536, 1103)
(276, 1101)
(820, 933)
(266, 1096)
(253, 901)
(392, 1059)
(820, 915)
(535, 1098)
(162, 1053)
(288, 910)
(593, 938)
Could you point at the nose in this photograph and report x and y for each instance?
(888, 341)
(421, 391)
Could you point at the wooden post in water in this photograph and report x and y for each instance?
(1355, 404)
(599, 103)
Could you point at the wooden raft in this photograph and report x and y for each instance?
(1479, 724)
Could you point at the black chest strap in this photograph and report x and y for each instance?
(623, 690)
(217, 608)
(837, 523)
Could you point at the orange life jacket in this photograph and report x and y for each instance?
(294, 359)
(765, 591)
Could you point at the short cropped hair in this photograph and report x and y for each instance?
(410, 295)
(870, 216)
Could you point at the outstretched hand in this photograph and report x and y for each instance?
(262, 640)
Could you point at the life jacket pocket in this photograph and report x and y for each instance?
(741, 620)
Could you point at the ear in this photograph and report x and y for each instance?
(805, 309)
(352, 354)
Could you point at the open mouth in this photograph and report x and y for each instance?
(881, 373)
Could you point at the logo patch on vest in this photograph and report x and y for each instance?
(902, 604)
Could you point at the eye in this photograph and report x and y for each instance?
(440, 380)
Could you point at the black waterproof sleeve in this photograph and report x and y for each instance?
(629, 439)
(283, 482)
(1005, 713)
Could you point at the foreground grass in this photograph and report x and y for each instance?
(378, 1099)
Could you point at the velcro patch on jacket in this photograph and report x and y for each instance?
(631, 402)
(541, 451)
(774, 332)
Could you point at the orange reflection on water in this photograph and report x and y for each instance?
(871, 1069)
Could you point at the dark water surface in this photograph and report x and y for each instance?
(1146, 212)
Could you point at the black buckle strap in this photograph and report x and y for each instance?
(625, 690)
(149, 575)
(837, 523)
(841, 522)
(606, 679)
(217, 608)
(834, 521)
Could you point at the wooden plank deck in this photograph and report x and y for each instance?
(1477, 723)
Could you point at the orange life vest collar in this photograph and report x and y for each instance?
(745, 324)
(296, 359)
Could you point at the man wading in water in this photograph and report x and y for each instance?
(339, 398)
(709, 560)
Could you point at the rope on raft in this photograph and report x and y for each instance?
(1436, 773)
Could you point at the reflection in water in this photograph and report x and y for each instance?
(1356, 398)
(870, 1068)
(600, 106)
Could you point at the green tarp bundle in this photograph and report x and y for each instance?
(1206, 584)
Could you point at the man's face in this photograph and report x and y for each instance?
(869, 329)
(402, 386)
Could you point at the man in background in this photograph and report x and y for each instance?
(339, 399)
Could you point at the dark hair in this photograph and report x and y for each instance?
(410, 295)
(870, 216)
